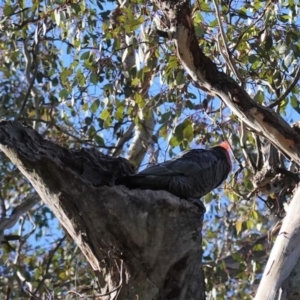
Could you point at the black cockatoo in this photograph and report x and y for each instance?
(191, 174)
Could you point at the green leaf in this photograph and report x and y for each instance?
(63, 94)
(94, 78)
(119, 114)
(139, 100)
(259, 97)
(242, 14)
(85, 107)
(174, 142)
(191, 96)
(99, 140)
(238, 226)
(200, 31)
(85, 55)
(104, 114)
(88, 120)
(54, 81)
(252, 58)
(295, 103)
(180, 78)
(76, 7)
(208, 198)
(8, 10)
(95, 106)
(249, 224)
(165, 117)
(135, 81)
(108, 88)
(254, 215)
(188, 131)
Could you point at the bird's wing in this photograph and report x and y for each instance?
(193, 173)
(187, 163)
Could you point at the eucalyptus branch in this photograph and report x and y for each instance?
(259, 159)
(29, 61)
(25, 206)
(22, 278)
(3, 207)
(260, 80)
(123, 139)
(243, 139)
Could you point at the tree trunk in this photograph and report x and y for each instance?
(141, 244)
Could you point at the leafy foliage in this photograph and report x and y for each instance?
(86, 73)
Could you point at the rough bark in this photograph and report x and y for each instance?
(141, 244)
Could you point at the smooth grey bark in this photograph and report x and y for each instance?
(278, 276)
(141, 244)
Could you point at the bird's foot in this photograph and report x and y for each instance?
(198, 203)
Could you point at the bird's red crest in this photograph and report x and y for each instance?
(225, 145)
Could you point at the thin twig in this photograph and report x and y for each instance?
(105, 294)
(227, 56)
(243, 139)
(250, 26)
(288, 90)
(3, 207)
(27, 93)
(46, 270)
(29, 60)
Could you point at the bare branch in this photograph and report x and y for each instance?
(243, 140)
(25, 206)
(227, 56)
(288, 90)
(122, 140)
(31, 61)
(49, 261)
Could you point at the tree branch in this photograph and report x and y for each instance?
(284, 255)
(264, 121)
(18, 211)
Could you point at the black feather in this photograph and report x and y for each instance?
(191, 174)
